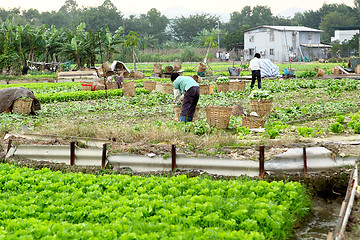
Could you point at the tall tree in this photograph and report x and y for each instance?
(185, 29)
(98, 17)
(132, 40)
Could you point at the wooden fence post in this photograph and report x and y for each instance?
(173, 157)
(261, 161)
(72, 153)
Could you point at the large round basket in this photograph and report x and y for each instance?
(86, 86)
(157, 68)
(262, 107)
(218, 116)
(177, 111)
(129, 91)
(112, 85)
(150, 85)
(167, 88)
(22, 106)
(222, 87)
(253, 122)
(237, 86)
(129, 84)
(206, 89)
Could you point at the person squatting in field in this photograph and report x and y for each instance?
(255, 66)
(190, 88)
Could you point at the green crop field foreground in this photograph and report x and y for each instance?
(45, 204)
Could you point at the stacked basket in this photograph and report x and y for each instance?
(167, 88)
(237, 86)
(253, 121)
(218, 116)
(206, 89)
(222, 87)
(22, 106)
(150, 85)
(261, 106)
(129, 89)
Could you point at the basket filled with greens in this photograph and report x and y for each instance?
(261, 102)
(222, 84)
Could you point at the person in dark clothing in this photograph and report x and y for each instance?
(25, 69)
(190, 88)
(255, 66)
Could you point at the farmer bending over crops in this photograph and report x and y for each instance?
(190, 88)
(255, 66)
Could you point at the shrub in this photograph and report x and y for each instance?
(340, 118)
(357, 128)
(305, 131)
(336, 128)
(273, 129)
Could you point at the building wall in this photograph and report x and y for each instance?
(277, 45)
(342, 35)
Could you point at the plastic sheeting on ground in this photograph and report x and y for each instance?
(268, 68)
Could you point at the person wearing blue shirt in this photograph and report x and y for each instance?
(190, 88)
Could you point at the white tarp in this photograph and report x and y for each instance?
(268, 69)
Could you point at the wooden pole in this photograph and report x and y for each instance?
(72, 153)
(261, 161)
(305, 162)
(173, 157)
(9, 145)
(103, 159)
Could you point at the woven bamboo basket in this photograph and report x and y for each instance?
(206, 89)
(177, 111)
(7, 110)
(222, 87)
(261, 107)
(237, 110)
(167, 88)
(157, 68)
(150, 85)
(218, 116)
(86, 86)
(253, 122)
(129, 91)
(129, 84)
(22, 106)
(112, 85)
(237, 86)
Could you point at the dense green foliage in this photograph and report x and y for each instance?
(155, 30)
(46, 205)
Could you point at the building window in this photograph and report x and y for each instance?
(271, 52)
(251, 39)
(251, 52)
(272, 36)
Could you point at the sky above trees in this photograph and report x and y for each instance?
(142, 6)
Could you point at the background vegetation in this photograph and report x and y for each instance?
(92, 35)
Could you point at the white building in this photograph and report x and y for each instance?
(342, 35)
(284, 43)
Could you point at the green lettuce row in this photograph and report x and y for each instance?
(82, 95)
(43, 204)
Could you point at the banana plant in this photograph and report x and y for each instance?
(76, 49)
(51, 39)
(111, 41)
